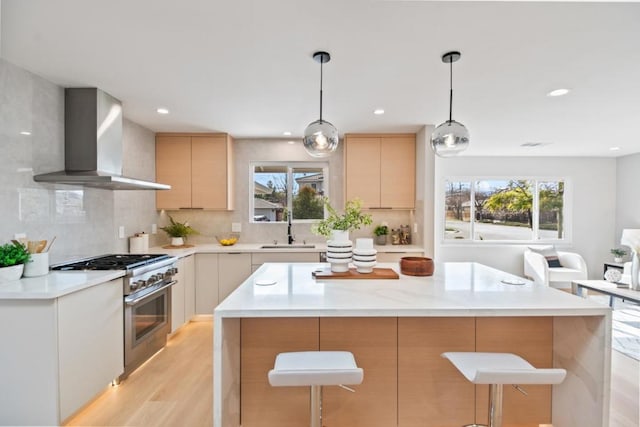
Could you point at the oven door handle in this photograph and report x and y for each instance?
(131, 302)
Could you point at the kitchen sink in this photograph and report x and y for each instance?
(284, 246)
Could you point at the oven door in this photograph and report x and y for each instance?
(147, 322)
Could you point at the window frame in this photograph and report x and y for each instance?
(536, 180)
(290, 166)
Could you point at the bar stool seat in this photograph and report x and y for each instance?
(497, 369)
(315, 369)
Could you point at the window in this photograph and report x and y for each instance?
(288, 187)
(504, 210)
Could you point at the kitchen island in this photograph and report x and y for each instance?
(397, 330)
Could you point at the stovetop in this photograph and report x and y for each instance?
(112, 262)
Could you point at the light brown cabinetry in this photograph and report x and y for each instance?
(381, 170)
(199, 169)
(406, 381)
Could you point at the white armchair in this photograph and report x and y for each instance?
(537, 269)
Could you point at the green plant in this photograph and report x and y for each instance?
(618, 252)
(351, 219)
(178, 229)
(13, 254)
(381, 230)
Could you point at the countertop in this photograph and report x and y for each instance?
(456, 289)
(257, 247)
(55, 284)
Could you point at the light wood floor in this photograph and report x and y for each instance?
(174, 388)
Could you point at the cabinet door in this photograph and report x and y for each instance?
(91, 337)
(173, 167)
(532, 339)
(188, 268)
(398, 172)
(209, 172)
(362, 170)
(431, 391)
(206, 283)
(373, 342)
(261, 341)
(234, 268)
(178, 299)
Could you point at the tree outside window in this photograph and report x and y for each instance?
(504, 210)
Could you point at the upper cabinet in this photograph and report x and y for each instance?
(381, 170)
(199, 169)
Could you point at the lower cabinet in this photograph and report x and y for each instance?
(406, 381)
(233, 269)
(90, 339)
(259, 258)
(206, 283)
(183, 293)
(64, 352)
(216, 276)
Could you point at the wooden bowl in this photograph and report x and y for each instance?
(416, 266)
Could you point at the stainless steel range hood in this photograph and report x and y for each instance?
(93, 144)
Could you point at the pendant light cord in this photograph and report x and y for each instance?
(321, 64)
(450, 88)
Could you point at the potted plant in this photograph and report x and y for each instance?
(618, 253)
(13, 256)
(178, 231)
(381, 231)
(351, 219)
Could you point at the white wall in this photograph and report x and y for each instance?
(628, 194)
(592, 200)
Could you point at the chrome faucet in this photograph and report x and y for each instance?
(290, 238)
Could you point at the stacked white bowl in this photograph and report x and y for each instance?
(339, 253)
(364, 255)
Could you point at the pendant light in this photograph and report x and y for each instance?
(321, 137)
(451, 137)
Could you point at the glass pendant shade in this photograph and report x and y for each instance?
(449, 139)
(320, 138)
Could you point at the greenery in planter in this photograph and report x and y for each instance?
(351, 219)
(13, 254)
(618, 252)
(381, 230)
(178, 229)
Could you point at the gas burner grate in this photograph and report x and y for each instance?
(112, 262)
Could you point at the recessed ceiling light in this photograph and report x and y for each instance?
(162, 111)
(291, 142)
(558, 92)
(614, 148)
(25, 132)
(287, 133)
(378, 111)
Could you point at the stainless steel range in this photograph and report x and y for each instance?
(147, 300)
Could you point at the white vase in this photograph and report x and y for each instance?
(617, 259)
(339, 251)
(177, 241)
(13, 272)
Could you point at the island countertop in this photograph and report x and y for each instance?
(456, 289)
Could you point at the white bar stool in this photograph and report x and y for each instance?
(497, 369)
(315, 369)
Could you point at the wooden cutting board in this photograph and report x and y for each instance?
(177, 247)
(378, 273)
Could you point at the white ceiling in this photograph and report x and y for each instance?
(245, 67)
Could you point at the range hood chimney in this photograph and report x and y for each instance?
(93, 144)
